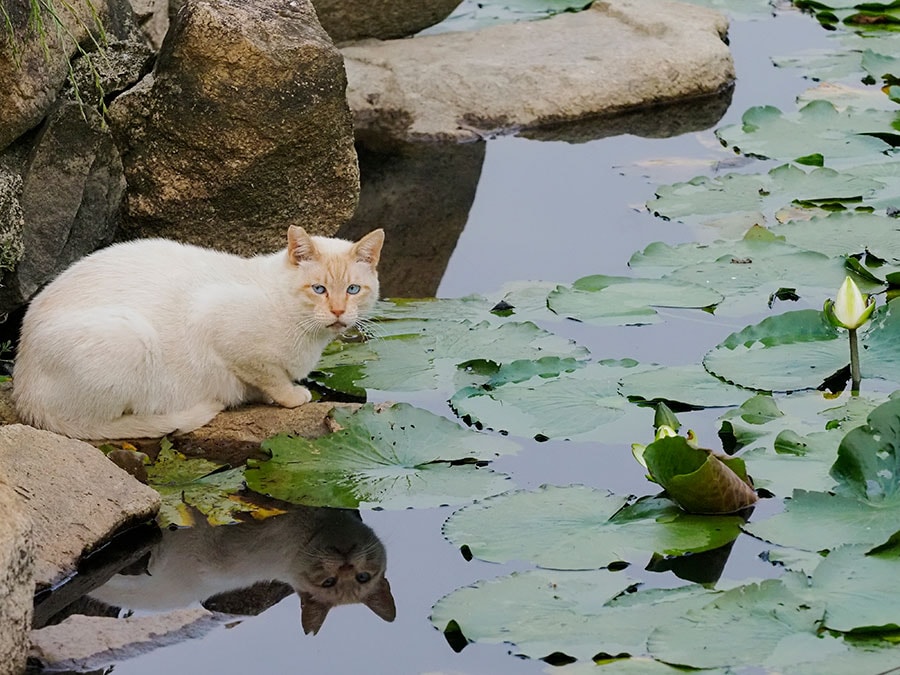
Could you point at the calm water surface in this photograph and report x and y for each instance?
(543, 210)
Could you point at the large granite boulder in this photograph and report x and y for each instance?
(611, 58)
(383, 19)
(16, 580)
(242, 129)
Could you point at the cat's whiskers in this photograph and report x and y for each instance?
(369, 328)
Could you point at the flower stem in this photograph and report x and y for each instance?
(854, 363)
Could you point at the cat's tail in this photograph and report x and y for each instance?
(128, 426)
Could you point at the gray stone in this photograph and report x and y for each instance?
(76, 498)
(242, 129)
(152, 17)
(90, 642)
(383, 19)
(12, 220)
(72, 191)
(611, 58)
(16, 580)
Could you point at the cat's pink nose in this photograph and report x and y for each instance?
(337, 312)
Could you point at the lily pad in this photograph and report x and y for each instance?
(842, 138)
(859, 589)
(799, 350)
(774, 623)
(868, 463)
(703, 198)
(577, 527)
(395, 458)
(428, 354)
(582, 405)
(626, 301)
(792, 443)
(842, 234)
(683, 386)
(472, 15)
(580, 614)
(746, 272)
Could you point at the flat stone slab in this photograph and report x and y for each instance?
(614, 57)
(76, 498)
(16, 582)
(89, 642)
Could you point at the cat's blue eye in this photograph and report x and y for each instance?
(329, 582)
(318, 289)
(363, 577)
(353, 289)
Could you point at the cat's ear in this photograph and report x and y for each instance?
(368, 249)
(300, 245)
(312, 613)
(381, 601)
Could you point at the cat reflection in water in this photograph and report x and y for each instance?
(328, 556)
(151, 337)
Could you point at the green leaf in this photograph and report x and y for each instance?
(610, 300)
(577, 613)
(691, 386)
(582, 405)
(577, 527)
(698, 480)
(399, 457)
(772, 621)
(746, 272)
(859, 590)
(842, 234)
(843, 138)
(868, 462)
(703, 198)
(428, 354)
(799, 350)
(819, 521)
(471, 15)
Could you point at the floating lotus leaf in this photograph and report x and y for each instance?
(820, 521)
(874, 16)
(690, 386)
(746, 272)
(772, 624)
(868, 463)
(799, 350)
(576, 613)
(859, 589)
(582, 405)
(702, 198)
(577, 527)
(626, 301)
(426, 354)
(471, 308)
(842, 138)
(792, 443)
(399, 457)
(471, 15)
(842, 234)
(698, 480)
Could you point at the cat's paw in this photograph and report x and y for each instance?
(292, 397)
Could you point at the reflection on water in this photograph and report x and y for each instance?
(329, 557)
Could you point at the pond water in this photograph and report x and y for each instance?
(524, 209)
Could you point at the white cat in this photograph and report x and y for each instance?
(328, 556)
(150, 337)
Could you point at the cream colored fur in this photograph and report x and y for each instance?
(305, 548)
(150, 337)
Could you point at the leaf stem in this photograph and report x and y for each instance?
(854, 363)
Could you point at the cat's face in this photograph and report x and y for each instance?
(337, 280)
(344, 573)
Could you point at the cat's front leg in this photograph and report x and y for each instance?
(273, 382)
(291, 396)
